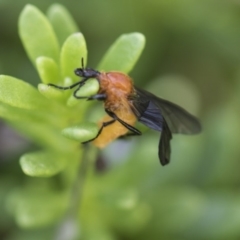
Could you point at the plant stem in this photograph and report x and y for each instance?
(69, 228)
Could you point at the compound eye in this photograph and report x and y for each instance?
(78, 72)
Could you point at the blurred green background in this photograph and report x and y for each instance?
(192, 57)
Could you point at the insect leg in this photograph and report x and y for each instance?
(104, 124)
(100, 97)
(134, 130)
(75, 92)
(80, 83)
(131, 134)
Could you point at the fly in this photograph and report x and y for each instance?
(125, 104)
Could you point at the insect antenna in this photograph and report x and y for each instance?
(82, 61)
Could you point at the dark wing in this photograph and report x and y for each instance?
(147, 111)
(152, 111)
(164, 116)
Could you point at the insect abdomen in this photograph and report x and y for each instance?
(116, 129)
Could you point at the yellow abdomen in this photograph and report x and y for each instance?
(114, 130)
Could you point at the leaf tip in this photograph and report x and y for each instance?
(82, 132)
(29, 7)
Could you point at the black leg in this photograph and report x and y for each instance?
(134, 130)
(100, 97)
(104, 124)
(75, 92)
(131, 134)
(80, 83)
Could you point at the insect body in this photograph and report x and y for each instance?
(125, 104)
(116, 87)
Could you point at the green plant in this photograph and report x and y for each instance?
(195, 197)
(52, 118)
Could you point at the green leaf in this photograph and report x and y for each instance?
(90, 88)
(82, 132)
(46, 136)
(42, 163)
(124, 53)
(50, 118)
(51, 92)
(37, 34)
(19, 114)
(18, 93)
(73, 50)
(48, 70)
(43, 129)
(62, 22)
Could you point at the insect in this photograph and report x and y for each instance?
(125, 104)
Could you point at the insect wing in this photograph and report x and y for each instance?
(146, 111)
(177, 118)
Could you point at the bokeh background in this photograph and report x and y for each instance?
(192, 57)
